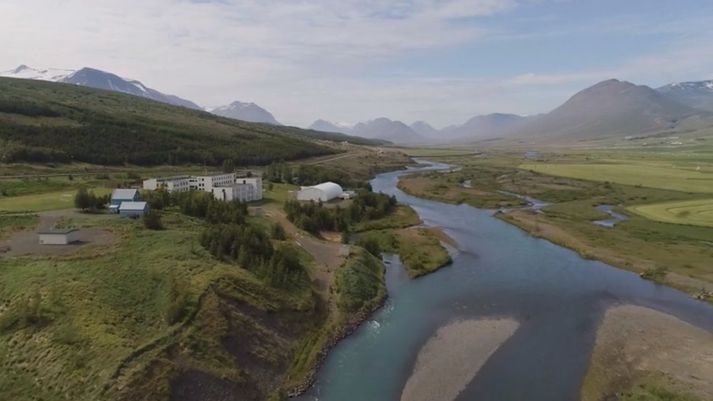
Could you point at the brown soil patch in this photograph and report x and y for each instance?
(635, 343)
(26, 243)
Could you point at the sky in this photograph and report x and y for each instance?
(442, 61)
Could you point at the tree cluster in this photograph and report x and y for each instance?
(314, 217)
(199, 204)
(309, 175)
(86, 200)
(252, 249)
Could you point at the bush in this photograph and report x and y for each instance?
(87, 201)
(371, 245)
(278, 232)
(152, 220)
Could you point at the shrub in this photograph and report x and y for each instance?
(278, 232)
(152, 220)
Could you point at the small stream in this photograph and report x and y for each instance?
(614, 218)
(497, 271)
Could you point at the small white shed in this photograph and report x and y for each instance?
(324, 192)
(58, 237)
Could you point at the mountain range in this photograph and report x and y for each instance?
(608, 109)
(98, 79)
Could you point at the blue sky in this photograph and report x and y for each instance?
(442, 61)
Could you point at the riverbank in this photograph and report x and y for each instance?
(453, 356)
(642, 354)
(675, 255)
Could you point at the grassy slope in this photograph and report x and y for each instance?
(80, 124)
(151, 291)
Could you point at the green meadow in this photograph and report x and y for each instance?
(693, 212)
(671, 177)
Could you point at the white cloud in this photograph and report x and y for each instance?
(304, 59)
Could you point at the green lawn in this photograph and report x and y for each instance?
(43, 202)
(693, 212)
(646, 175)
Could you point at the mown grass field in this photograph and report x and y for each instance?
(694, 212)
(43, 201)
(637, 174)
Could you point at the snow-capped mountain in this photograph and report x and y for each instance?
(698, 94)
(246, 112)
(25, 72)
(97, 79)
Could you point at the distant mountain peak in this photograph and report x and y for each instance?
(246, 111)
(20, 68)
(696, 94)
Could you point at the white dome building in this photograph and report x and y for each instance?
(324, 192)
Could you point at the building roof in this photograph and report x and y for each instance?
(331, 189)
(132, 206)
(121, 193)
(57, 231)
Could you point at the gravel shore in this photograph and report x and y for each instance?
(640, 346)
(453, 356)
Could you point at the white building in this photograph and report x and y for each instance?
(247, 189)
(171, 184)
(58, 237)
(224, 187)
(324, 192)
(208, 182)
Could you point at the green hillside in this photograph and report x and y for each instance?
(51, 122)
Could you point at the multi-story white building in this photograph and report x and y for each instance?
(255, 182)
(224, 187)
(171, 184)
(208, 182)
(243, 189)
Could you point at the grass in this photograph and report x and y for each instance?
(44, 201)
(359, 283)
(655, 393)
(67, 324)
(420, 249)
(10, 224)
(639, 244)
(694, 212)
(403, 217)
(637, 174)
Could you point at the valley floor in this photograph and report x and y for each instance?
(567, 208)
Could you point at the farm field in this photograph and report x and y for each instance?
(694, 212)
(43, 202)
(646, 175)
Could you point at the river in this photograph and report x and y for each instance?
(497, 271)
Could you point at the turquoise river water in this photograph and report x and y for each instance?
(498, 271)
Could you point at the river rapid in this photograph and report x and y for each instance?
(498, 271)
